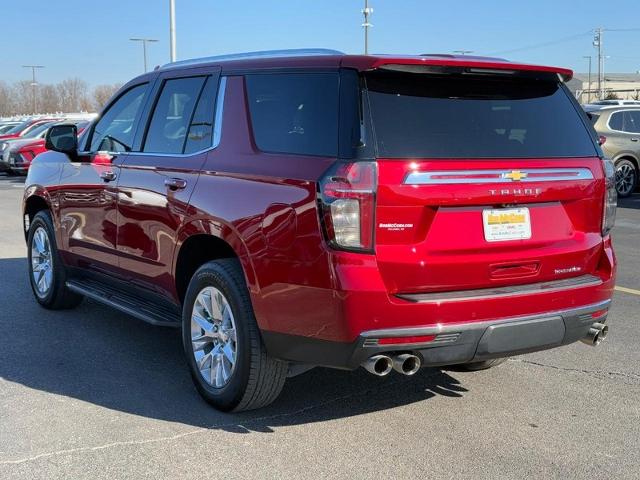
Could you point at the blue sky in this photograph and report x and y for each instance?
(90, 39)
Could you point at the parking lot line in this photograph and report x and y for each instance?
(627, 290)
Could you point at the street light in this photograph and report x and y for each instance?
(589, 88)
(366, 25)
(172, 30)
(34, 84)
(144, 48)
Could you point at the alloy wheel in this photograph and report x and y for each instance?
(213, 337)
(41, 264)
(625, 179)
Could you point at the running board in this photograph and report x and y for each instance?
(145, 311)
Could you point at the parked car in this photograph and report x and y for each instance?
(619, 128)
(24, 127)
(17, 154)
(295, 209)
(614, 102)
(6, 126)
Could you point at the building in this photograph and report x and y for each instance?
(626, 86)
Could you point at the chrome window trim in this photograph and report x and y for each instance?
(425, 178)
(217, 128)
(611, 114)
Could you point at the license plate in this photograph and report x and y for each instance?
(506, 224)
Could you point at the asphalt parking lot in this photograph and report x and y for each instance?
(92, 393)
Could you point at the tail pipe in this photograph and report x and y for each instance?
(379, 365)
(406, 363)
(597, 333)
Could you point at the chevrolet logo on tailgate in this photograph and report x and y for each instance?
(515, 175)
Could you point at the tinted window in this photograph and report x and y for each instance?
(295, 113)
(114, 132)
(632, 121)
(616, 121)
(457, 116)
(201, 129)
(172, 115)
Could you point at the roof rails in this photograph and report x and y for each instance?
(296, 52)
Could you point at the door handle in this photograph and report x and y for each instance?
(108, 176)
(634, 139)
(175, 183)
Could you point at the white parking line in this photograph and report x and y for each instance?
(628, 290)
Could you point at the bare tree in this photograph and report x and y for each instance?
(72, 94)
(7, 106)
(22, 94)
(102, 94)
(48, 99)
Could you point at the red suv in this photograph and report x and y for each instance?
(304, 208)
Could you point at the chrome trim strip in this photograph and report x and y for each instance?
(502, 292)
(549, 175)
(217, 122)
(461, 327)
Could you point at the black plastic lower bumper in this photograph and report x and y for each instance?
(452, 344)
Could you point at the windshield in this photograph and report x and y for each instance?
(38, 131)
(19, 127)
(460, 116)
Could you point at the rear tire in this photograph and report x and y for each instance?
(483, 365)
(47, 274)
(626, 178)
(227, 360)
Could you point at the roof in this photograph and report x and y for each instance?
(318, 58)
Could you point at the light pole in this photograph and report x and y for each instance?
(366, 25)
(172, 30)
(463, 52)
(34, 84)
(144, 48)
(589, 87)
(597, 42)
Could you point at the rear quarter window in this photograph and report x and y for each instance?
(294, 113)
(456, 116)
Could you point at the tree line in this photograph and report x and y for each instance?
(70, 95)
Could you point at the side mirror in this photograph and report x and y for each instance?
(62, 138)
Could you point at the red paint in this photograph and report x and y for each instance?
(265, 207)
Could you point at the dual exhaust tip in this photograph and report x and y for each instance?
(597, 333)
(381, 365)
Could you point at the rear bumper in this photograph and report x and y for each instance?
(451, 343)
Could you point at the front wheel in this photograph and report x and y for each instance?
(626, 178)
(227, 359)
(47, 274)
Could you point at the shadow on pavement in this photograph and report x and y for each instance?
(12, 179)
(630, 202)
(100, 356)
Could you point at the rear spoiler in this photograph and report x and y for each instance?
(441, 65)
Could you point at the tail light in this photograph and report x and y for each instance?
(610, 197)
(347, 205)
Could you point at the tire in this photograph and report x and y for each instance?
(626, 178)
(254, 379)
(483, 365)
(54, 295)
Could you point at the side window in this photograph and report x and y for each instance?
(615, 122)
(295, 113)
(172, 115)
(200, 134)
(632, 121)
(114, 131)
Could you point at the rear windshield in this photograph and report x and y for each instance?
(455, 116)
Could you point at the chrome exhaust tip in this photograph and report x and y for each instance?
(379, 365)
(406, 364)
(597, 333)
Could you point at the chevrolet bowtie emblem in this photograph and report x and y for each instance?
(515, 175)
